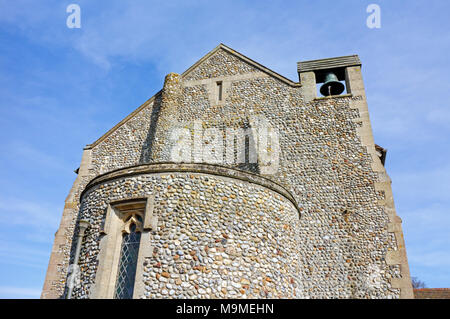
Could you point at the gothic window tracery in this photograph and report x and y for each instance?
(131, 237)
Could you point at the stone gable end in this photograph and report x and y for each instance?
(220, 63)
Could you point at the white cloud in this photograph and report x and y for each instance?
(427, 226)
(24, 254)
(427, 241)
(427, 184)
(439, 259)
(439, 115)
(27, 213)
(20, 151)
(8, 292)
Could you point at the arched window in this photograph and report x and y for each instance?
(129, 252)
(124, 246)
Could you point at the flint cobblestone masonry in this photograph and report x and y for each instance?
(342, 240)
(216, 237)
(220, 64)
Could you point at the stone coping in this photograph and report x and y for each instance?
(210, 169)
(328, 63)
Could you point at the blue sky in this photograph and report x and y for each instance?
(62, 88)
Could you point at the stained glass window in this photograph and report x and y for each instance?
(127, 264)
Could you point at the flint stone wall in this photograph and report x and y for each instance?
(343, 231)
(216, 237)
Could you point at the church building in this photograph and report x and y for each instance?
(234, 181)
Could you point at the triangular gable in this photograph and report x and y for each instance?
(251, 64)
(185, 75)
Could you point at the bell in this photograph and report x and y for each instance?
(331, 86)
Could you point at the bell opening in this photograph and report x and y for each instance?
(328, 89)
(330, 83)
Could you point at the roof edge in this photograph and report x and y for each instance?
(245, 59)
(328, 63)
(115, 127)
(220, 46)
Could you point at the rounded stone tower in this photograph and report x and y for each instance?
(205, 232)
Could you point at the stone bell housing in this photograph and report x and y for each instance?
(310, 215)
